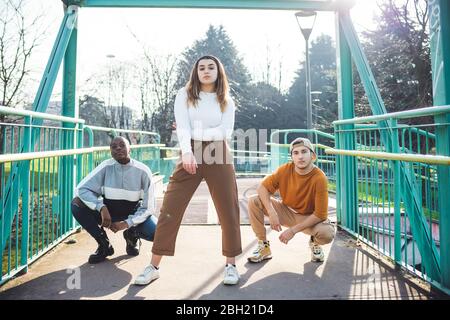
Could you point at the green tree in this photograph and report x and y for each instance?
(399, 54)
(323, 79)
(91, 110)
(216, 42)
(263, 110)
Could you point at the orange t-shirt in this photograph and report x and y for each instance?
(305, 194)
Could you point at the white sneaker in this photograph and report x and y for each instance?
(317, 254)
(150, 273)
(230, 275)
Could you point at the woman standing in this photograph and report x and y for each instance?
(204, 113)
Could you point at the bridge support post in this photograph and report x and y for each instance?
(68, 169)
(440, 63)
(346, 185)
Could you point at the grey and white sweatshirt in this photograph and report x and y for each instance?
(120, 187)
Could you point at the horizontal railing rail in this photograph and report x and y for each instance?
(422, 158)
(37, 115)
(415, 113)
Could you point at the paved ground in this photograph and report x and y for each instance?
(195, 272)
(350, 271)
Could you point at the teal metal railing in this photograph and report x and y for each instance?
(247, 163)
(41, 219)
(29, 187)
(37, 216)
(39, 169)
(37, 178)
(411, 231)
(101, 136)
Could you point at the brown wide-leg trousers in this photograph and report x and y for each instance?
(221, 180)
(323, 232)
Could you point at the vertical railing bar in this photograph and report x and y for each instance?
(38, 204)
(366, 205)
(378, 194)
(33, 204)
(25, 187)
(397, 199)
(44, 202)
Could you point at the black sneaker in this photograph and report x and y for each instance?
(131, 239)
(104, 249)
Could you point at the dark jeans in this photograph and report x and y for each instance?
(91, 221)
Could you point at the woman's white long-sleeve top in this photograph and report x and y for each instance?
(204, 122)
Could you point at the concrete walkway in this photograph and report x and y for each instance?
(350, 271)
(195, 272)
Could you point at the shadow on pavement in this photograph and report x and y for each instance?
(87, 281)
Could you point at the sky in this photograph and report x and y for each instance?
(258, 35)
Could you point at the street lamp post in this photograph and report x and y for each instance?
(305, 20)
(316, 95)
(109, 56)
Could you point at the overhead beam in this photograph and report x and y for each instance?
(326, 5)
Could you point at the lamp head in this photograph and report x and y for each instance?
(306, 20)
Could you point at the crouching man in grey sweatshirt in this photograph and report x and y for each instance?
(119, 195)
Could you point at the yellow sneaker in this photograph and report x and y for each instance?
(317, 254)
(262, 252)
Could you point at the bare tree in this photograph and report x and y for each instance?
(267, 76)
(162, 76)
(19, 36)
(121, 82)
(145, 95)
(272, 70)
(113, 85)
(157, 87)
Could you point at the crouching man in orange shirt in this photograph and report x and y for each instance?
(303, 206)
